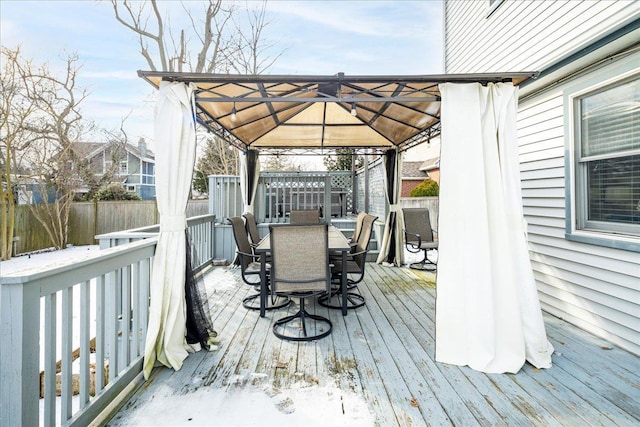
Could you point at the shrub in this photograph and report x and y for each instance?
(115, 192)
(427, 188)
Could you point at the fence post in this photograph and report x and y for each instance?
(19, 353)
(95, 217)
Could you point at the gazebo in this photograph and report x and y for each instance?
(488, 315)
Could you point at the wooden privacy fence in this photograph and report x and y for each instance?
(431, 203)
(88, 219)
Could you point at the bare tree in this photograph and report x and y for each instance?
(217, 158)
(16, 110)
(41, 123)
(277, 163)
(216, 40)
(251, 50)
(198, 48)
(55, 163)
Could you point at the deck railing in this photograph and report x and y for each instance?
(280, 192)
(200, 229)
(74, 334)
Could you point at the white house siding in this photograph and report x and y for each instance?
(525, 35)
(595, 287)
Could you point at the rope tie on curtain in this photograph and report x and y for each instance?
(173, 222)
(394, 208)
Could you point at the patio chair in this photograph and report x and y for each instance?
(419, 236)
(300, 270)
(356, 262)
(356, 231)
(310, 216)
(252, 228)
(250, 268)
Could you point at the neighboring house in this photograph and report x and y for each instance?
(420, 163)
(411, 177)
(135, 169)
(432, 168)
(579, 143)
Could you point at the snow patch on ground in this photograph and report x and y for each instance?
(247, 404)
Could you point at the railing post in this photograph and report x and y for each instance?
(326, 210)
(19, 353)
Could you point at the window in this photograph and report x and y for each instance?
(124, 167)
(606, 159)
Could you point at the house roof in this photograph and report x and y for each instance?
(430, 164)
(147, 155)
(91, 149)
(412, 170)
(88, 149)
(281, 113)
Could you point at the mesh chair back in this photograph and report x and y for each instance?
(364, 238)
(416, 221)
(356, 232)
(242, 241)
(299, 258)
(252, 228)
(311, 216)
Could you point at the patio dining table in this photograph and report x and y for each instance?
(337, 243)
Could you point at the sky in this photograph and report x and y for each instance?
(315, 38)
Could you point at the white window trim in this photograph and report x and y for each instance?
(610, 74)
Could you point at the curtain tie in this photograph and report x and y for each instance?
(394, 208)
(173, 222)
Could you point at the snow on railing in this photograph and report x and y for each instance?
(48, 318)
(72, 336)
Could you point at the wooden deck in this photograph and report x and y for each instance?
(377, 368)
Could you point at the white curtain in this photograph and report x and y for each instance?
(391, 247)
(249, 174)
(488, 314)
(175, 148)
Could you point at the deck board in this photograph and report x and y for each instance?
(378, 368)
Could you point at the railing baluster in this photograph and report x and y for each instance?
(100, 341)
(85, 310)
(111, 321)
(135, 308)
(50, 326)
(67, 351)
(144, 300)
(125, 324)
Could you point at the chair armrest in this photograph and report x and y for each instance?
(406, 233)
(253, 256)
(359, 253)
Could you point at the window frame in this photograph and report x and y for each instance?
(578, 227)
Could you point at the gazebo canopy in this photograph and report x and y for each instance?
(277, 113)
